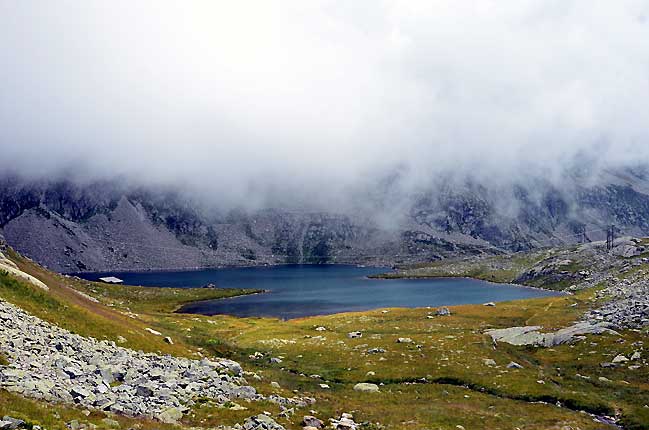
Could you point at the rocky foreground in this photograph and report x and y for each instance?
(49, 363)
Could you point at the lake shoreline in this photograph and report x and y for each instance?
(224, 267)
(387, 277)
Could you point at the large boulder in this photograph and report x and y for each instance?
(530, 335)
(311, 421)
(365, 387)
(261, 422)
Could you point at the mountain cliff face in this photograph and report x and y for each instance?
(106, 226)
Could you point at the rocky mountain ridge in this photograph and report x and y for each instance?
(107, 226)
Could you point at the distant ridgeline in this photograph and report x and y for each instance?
(106, 226)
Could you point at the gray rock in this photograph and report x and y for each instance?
(626, 250)
(73, 372)
(311, 421)
(517, 335)
(80, 392)
(346, 422)
(443, 311)
(620, 359)
(530, 335)
(261, 422)
(232, 366)
(365, 387)
(144, 391)
(11, 423)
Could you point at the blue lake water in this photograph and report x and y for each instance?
(302, 290)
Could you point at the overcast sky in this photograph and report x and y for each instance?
(313, 97)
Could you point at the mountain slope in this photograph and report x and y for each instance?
(110, 226)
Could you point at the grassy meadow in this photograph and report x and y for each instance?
(441, 379)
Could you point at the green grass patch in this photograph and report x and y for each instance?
(154, 299)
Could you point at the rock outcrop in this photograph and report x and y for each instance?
(531, 335)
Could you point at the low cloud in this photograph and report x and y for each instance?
(265, 103)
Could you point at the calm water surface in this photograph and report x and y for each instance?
(302, 290)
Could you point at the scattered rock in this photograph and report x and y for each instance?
(9, 423)
(346, 422)
(514, 365)
(620, 359)
(404, 340)
(443, 311)
(365, 387)
(313, 422)
(261, 422)
(354, 335)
